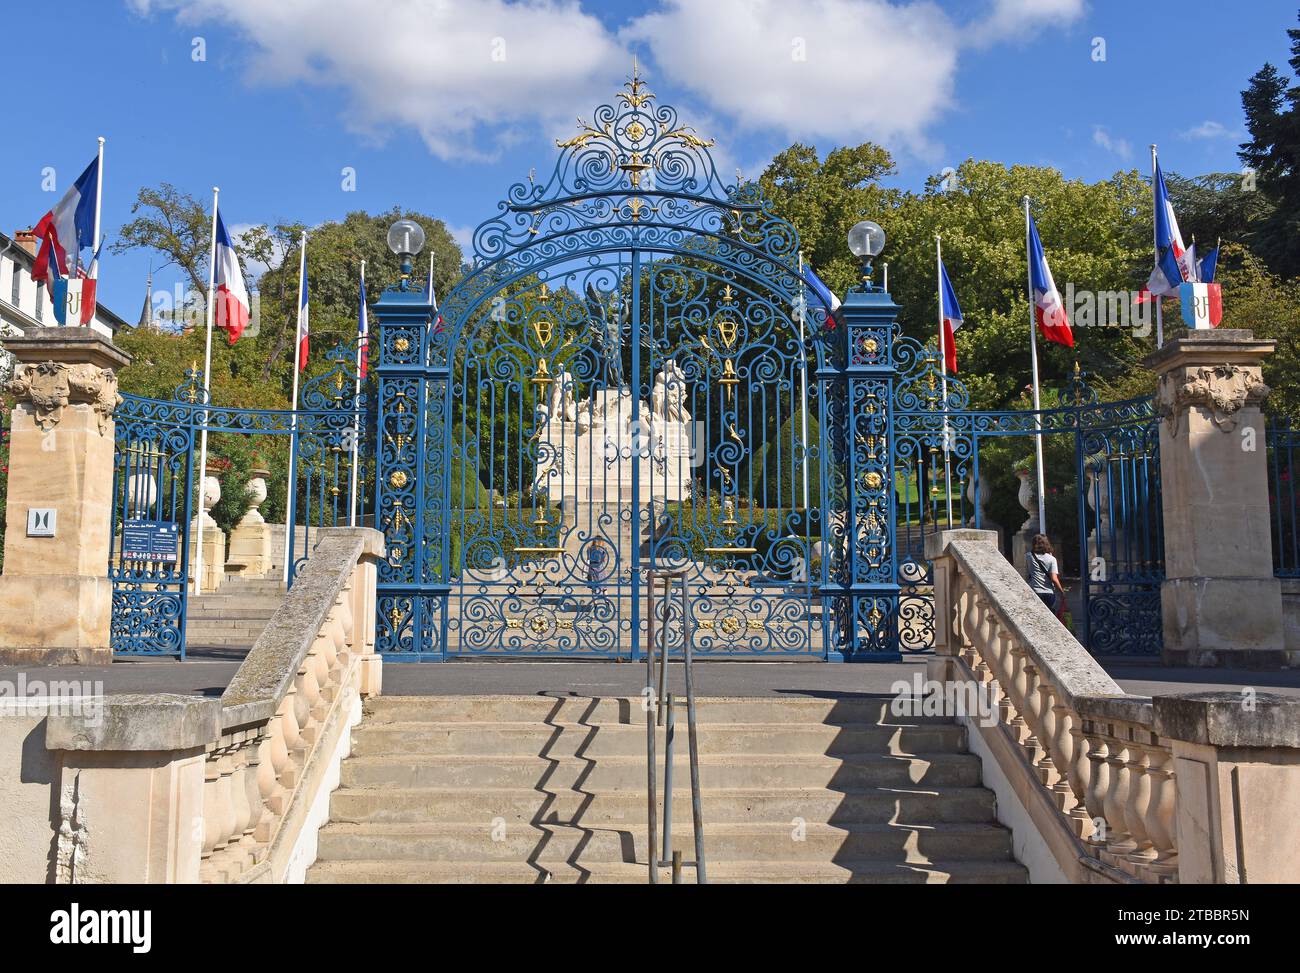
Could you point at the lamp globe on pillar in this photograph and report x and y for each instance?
(866, 242)
(406, 240)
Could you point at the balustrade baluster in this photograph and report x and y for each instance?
(1137, 805)
(1119, 842)
(1098, 787)
(1163, 808)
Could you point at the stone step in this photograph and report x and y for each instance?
(627, 807)
(839, 872)
(613, 709)
(749, 841)
(194, 640)
(217, 612)
(224, 600)
(220, 632)
(716, 771)
(227, 625)
(564, 740)
(242, 583)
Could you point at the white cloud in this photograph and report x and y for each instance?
(850, 69)
(1018, 19)
(474, 76)
(1117, 146)
(1211, 130)
(465, 74)
(840, 69)
(464, 237)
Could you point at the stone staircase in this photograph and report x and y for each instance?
(228, 621)
(539, 789)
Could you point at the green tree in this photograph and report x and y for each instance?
(1216, 206)
(1272, 106)
(824, 198)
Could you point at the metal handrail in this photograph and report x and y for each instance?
(660, 709)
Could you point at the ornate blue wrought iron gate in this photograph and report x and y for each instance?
(616, 384)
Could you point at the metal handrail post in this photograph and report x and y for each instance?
(668, 779)
(697, 813)
(649, 700)
(663, 649)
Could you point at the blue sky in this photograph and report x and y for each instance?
(440, 106)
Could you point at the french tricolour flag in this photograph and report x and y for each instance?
(304, 319)
(229, 292)
(363, 331)
(1171, 269)
(823, 294)
(952, 319)
(70, 226)
(1049, 310)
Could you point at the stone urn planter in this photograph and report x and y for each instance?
(250, 541)
(1028, 498)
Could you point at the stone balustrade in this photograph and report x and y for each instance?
(230, 790)
(1095, 780)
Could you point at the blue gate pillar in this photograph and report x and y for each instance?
(863, 590)
(410, 501)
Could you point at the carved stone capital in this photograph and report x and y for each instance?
(1222, 390)
(52, 386)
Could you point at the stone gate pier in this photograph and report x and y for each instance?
(55, 595)
(1220, 602)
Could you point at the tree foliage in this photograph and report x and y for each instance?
(1272, 106)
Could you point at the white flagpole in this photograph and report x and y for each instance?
(943, 374)
(1033, 360)
(207, 373)
(1155, 240)
(293, 422)
(99, 207)
(356, 419)
(803, 379)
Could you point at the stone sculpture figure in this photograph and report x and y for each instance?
(668, 399)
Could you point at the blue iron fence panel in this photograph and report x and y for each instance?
(156, 481)
(1283, 450)
(154, 456)
(1121, 528)
(1103, 482)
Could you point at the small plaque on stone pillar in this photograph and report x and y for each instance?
(42, 521)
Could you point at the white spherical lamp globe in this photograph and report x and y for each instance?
(866, 240)
(406, 238)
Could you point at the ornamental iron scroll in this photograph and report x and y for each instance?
(634, 173)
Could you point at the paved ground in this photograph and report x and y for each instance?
(210, 676)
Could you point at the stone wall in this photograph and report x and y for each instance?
(29, 775)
